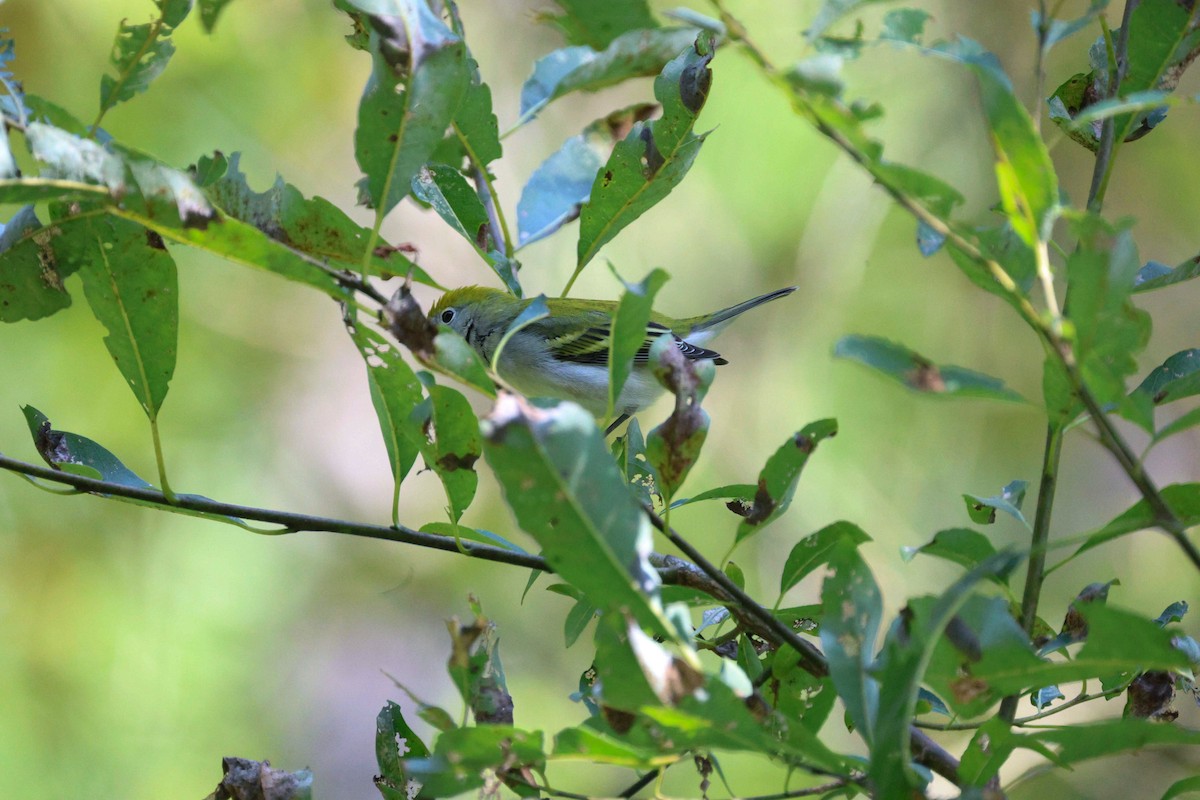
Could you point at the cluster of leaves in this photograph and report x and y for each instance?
(686, 665)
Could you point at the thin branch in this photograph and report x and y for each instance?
(290, 521)
(1106, 152)
(1083, 697)
(1035, 573)
(764, 622)
(1164, 517)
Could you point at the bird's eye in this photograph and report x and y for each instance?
(448, 316)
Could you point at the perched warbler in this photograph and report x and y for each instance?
(565, 355)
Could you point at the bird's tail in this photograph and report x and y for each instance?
(711, 323)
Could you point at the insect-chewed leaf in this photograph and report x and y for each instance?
(919, 373)
(418, 78)
(850, 620)
(140, 53)
(567, 492)
(558, 188)
(653, 157)
(312, 226)
(395, 392)
(597, 24)
(814, 550)
(33, 272)
(463, 757)
(77, 454)
(778, 479)
(394, 742)
(633, 54)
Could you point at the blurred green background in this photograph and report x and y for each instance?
(137, 648)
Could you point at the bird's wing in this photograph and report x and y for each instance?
(591, 345)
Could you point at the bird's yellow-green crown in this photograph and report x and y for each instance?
(459, 296)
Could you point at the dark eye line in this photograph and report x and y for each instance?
(470, 332)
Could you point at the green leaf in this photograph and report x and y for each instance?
(558, 188)
(906, 655)
(395, 393)
(919, 373)
(1181, 498)
(1176, 378)
(779, 477)
(313, 227)
(1117, 642)
(475, 125)
(830, 12)
(982, 510)
(904, 25)
(533, 311)
(566, 492)
(686, 710)
(451, 444)
(130, 283)
(850, 620)
(577, 620)
(463, 757)
(935, 194)
(408, 103)
(77, 454)
(815, 549)
(174, 11)
(1156, 276)
(32, 285)
(33, 190)
(1086, 741)
(1189, 420)
(804, 701)
(628, 332)
(1182, 786)
(453, 354)
(447, 191)
(738, 491)
(472, 534)
(1055, 30)
(210, 10)
(1162, 39)
(1025, 173)
(1172, 613)
(963, 546)
(584, 743)
(985, 640)
(1109, 331)
(139, 54)
(596, 25)
(634, 54)
(395, 741)
(653, 158)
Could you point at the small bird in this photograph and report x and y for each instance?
(565, 355)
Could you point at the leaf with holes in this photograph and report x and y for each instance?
(779, 477)
(419, 75)
(653, 158)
